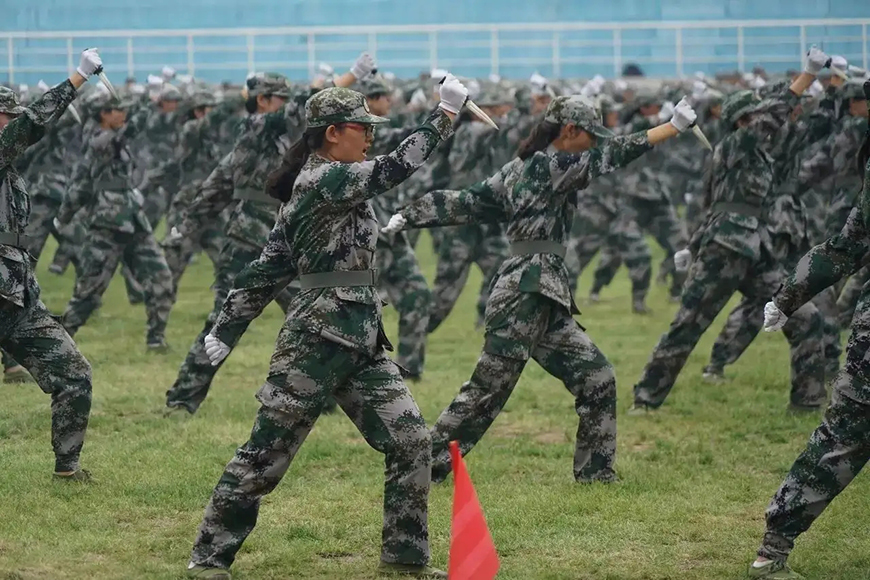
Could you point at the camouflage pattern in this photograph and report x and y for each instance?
(339, 105)
(10, 102)
(274, 84)
(332, 341)
(737, 250)
(118, 229)
(848, 300)
(27, 331)
(838, 448)
(577, 110)
(529, 310)
(257, 153)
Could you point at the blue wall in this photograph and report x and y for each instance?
(216, 58)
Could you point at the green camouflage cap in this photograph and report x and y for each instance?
(374, 86)
(339, 105)
(102, 100)
(170, 93)
(738, 104)
(9, 102)
(274, 84)
(580, 111)
(852, 89)
(203, 99)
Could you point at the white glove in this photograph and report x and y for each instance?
(174, 235)
(538, 80)
(774, 319)
(816, 89)
(688, 197)
(43, 86)
(418, 100)
(155, 82)
(666, 112)
(215, 349)
(699, 90)
(184, 79)
(453, 94)
(396, 224)
(620, 85)
(757, 82)
(684, 116)
(438, 73)
(90, 62)
(494, 78)
(325, 69)
(816, 61)
(682, 259)
(168, 73)
(599, 81)
(363, 66)
(57, 225)
(590, 89)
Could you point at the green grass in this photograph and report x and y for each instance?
(697, 476)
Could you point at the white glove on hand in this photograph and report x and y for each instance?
(215, 349)
(57, 225)
(396, 224)
(684, 116)
(453, 94)
(174, 236)
(90, 62)
(43, 86)
(168, 73)
(682, 259)
(363, 66)
(774, 319)
(666, 112)
(155, 82)
(816, 61)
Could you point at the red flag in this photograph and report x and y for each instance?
(472, 553)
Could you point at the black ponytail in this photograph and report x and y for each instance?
(280, 182)
(540, 138)
(251, 105)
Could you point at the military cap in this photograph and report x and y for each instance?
(578, 110)
(494, 97)
(170, 93)
(9, 102)
(738, 104)
(274, 84)
(374, 86)
(339, 105)
(852, 89)
(203, 99)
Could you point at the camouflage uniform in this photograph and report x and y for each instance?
(848, 300)
(159, 137)
(27, 330)
(735, 250)
(649, 205)
(198, 153)
(529, 313)
(601, 223)
(787, 224)
(117, 229)
(332, 341)
(840, 446)
(239, 179)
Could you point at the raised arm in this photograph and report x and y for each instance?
(215, 194)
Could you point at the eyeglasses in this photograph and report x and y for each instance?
(369, 130)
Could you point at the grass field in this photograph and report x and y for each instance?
(697, 476)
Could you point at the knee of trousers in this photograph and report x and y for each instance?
(418, 301)
(68, 380)
(413, 446)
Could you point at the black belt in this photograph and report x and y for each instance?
(251, 194)
(338, 278)
(743, 209)
(529, 247)
(17, 240)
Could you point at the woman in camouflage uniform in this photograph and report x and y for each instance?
(276, 120)
(332, 340)
(840, 447)
(529, 313)
(27, 330)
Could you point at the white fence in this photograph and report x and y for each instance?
(511, 50)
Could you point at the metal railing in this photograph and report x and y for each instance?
(569, 49)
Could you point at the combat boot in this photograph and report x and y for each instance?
(79, 476)
(17, 374)
(209, 573)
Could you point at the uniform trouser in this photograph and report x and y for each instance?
(100, 256)
(401, 278)
(659, 218)
(848, 299)
(713, 278)
(592, 232)
(520, 326)
(45, 349)
(466, 245)
(69, 245)
(804, 334)
(836, 452)
(178, 256)
(196, 373)
(304, 371)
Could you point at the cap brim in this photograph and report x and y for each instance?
(368, 120)
(601, 132)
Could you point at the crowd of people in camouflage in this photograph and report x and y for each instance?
(313, 195)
